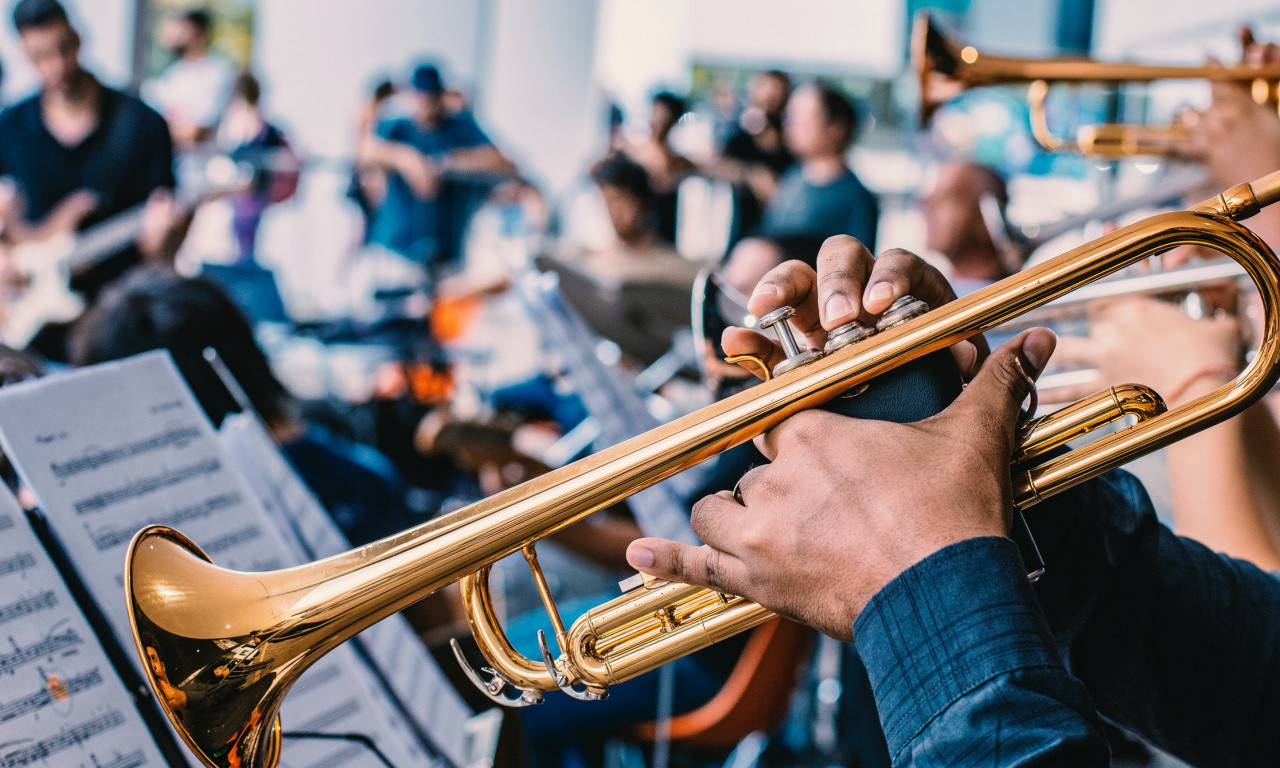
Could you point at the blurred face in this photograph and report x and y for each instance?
(769, 93)
(428, 108)
(178, 35)
(54, 51)
(661, 120)
(806, 129)
(626, 211)
(750, 260)
(953, 219)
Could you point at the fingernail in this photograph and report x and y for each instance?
(766, 289)
(640, 557)
(880, 292)
(836, 307)
(1037, 348)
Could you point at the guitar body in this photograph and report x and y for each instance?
(48, 297)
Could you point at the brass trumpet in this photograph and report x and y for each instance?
(947, 68)
(222, 648)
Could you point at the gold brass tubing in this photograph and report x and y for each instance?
(691, 633)
(1083, 416)
(486, 628)
(1037, 94)
(1112, 451)
(946, 68)
(544, 592)
(221, 647)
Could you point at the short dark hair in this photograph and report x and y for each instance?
(384, 90)
(837, 108)
(199, 18)
(674, 104)
(33, 14)
(155, 308)
(780, 76)
(248, 88)
(618, 170)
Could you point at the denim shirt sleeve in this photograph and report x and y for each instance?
(1176, 643)
(965, 671)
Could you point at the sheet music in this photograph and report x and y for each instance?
(111, 448)
(61, 701)
(411, 672)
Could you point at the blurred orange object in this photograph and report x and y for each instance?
(420, 381)
(451, 316)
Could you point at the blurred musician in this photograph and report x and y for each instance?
(819, 195)
(196, 88)
(1225, 490)
(420, 152)
(666, 167)
(755, 155)
(958, 229)
(79, 152)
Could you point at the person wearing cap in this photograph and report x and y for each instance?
(420, 153)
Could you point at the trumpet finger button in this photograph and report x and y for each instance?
(777, 319)
(902, 310)
(846, 334)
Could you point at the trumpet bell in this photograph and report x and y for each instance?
(212, 654)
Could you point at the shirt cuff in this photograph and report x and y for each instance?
(952, 622)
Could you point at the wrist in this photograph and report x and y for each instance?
(1199, 382)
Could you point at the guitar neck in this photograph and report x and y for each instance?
(106, 239)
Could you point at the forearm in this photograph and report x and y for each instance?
(964, 669)
(477, 160)
(374, 152)
(1262, 436)
(1213, 500)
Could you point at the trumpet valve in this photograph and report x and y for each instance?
(844, 335)
(906, 308)
(777, 319)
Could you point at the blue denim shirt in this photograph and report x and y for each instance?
(972, 666)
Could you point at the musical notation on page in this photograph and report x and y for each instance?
(109, 449)
(61, 701)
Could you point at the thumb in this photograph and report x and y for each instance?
(702, 566)
(995, 395)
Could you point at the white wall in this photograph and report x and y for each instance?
(538, 101)
(106, 29)
(647, 44)
(319, 58)
(1178, 27)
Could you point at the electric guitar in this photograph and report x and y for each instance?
(48, 266)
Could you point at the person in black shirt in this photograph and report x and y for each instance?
(78, 153)
(755, 154)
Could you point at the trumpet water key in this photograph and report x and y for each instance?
(221, 648)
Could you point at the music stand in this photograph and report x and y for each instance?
(641, 317)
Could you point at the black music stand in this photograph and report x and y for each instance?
(641, 317)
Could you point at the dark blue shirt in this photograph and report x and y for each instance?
(126, 157)
(971, 666)
(407, 224)
(358, 486)
(841, 207)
